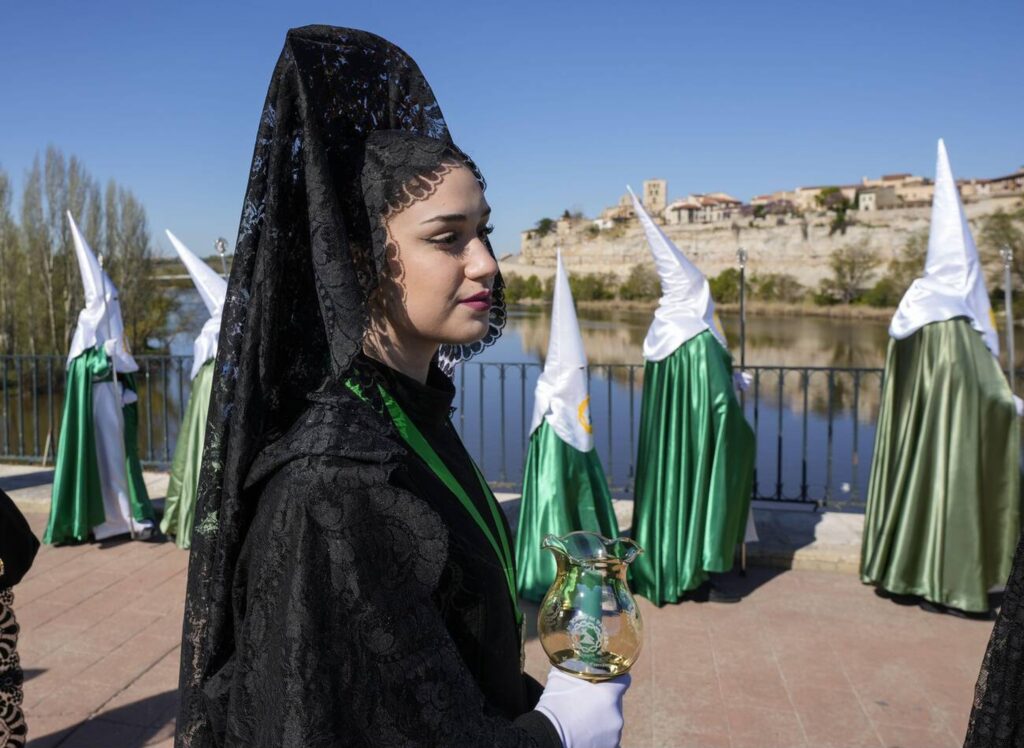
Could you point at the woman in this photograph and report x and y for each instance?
(351, 581)
(18, 547)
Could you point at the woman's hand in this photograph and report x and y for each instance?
(586, 715)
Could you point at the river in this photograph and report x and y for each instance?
(813, 403)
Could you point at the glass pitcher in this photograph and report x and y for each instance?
(589, 624)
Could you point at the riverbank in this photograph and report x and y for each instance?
(769, 308)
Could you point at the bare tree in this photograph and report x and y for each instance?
(40, 284)
(33, 229)
(9, 267)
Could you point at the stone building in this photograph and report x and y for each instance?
(709, 208)
(655, 196)
(876, 198)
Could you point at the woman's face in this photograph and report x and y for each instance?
(440, 271)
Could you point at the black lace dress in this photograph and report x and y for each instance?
(369, 609)
(997, 717)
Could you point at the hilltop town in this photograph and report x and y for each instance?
(788, 231)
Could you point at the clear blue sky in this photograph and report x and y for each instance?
(561, 104)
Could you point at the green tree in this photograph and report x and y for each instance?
(11, 267)
(549, 288)
(514, 285)
(852, 267)
(545, 226)
(130, 265)
(40, 284)
(833, 200)
(906, 265)
(593, 286)
(776, 287)
(725, 287)
(518, 288)
(998, 230)
(641, 285)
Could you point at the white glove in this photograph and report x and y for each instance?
(127, 396)
(585, 714)
(1020, 405)
(741, 380)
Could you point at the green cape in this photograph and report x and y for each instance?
(180, 506)
(76, 504)
(563, 490)
(694, 474)
(943, 507)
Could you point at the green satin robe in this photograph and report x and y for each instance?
(695, 467)
(943, 507)
(76, 503)
(180, 506)
(563, 490)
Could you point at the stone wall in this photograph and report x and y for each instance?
(770, 248)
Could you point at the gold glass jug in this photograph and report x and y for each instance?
(589, 623)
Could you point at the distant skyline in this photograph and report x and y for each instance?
(561, 104)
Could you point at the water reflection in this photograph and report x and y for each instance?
(813, 403)
(616, 336)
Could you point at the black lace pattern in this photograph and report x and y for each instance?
(997, 718)
(294, 319)
(13, 731)
(399, 169)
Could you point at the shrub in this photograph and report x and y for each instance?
(593, 286)
(641, 285)
(725, 287)
(518, 288)
(885, 293)
(852, 266)
(776, 287)
(545, 226)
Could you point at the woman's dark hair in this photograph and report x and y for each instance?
(401, 168)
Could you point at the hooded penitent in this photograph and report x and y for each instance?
(179, 508)
(322, 607)
(695, 457)
(97, 485)
(943, 498)
(564, 486)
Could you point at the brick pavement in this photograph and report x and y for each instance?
(807, 659)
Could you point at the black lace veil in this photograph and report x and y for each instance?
(997, 717)
(296, 310)
(400, 168)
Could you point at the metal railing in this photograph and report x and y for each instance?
(814, 425)
(32, 390)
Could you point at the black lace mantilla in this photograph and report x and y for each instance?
(294, 319)
(399, 169)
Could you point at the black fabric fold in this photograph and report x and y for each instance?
(325, 592)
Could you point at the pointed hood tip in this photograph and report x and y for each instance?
(211, 286)
(953, 283)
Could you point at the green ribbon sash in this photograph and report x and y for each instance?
(412, 436)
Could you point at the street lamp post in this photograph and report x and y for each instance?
(221, 245)
(741, 257)
(1007, 254)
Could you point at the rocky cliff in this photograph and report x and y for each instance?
(799, 247)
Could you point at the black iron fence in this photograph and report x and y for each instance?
(814, 425)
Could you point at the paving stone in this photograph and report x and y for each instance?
(807, 658)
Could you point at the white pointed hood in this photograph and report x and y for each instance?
(561, 396)
(953, 284)
(100, 320)
(212, 290)
(686, 307)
